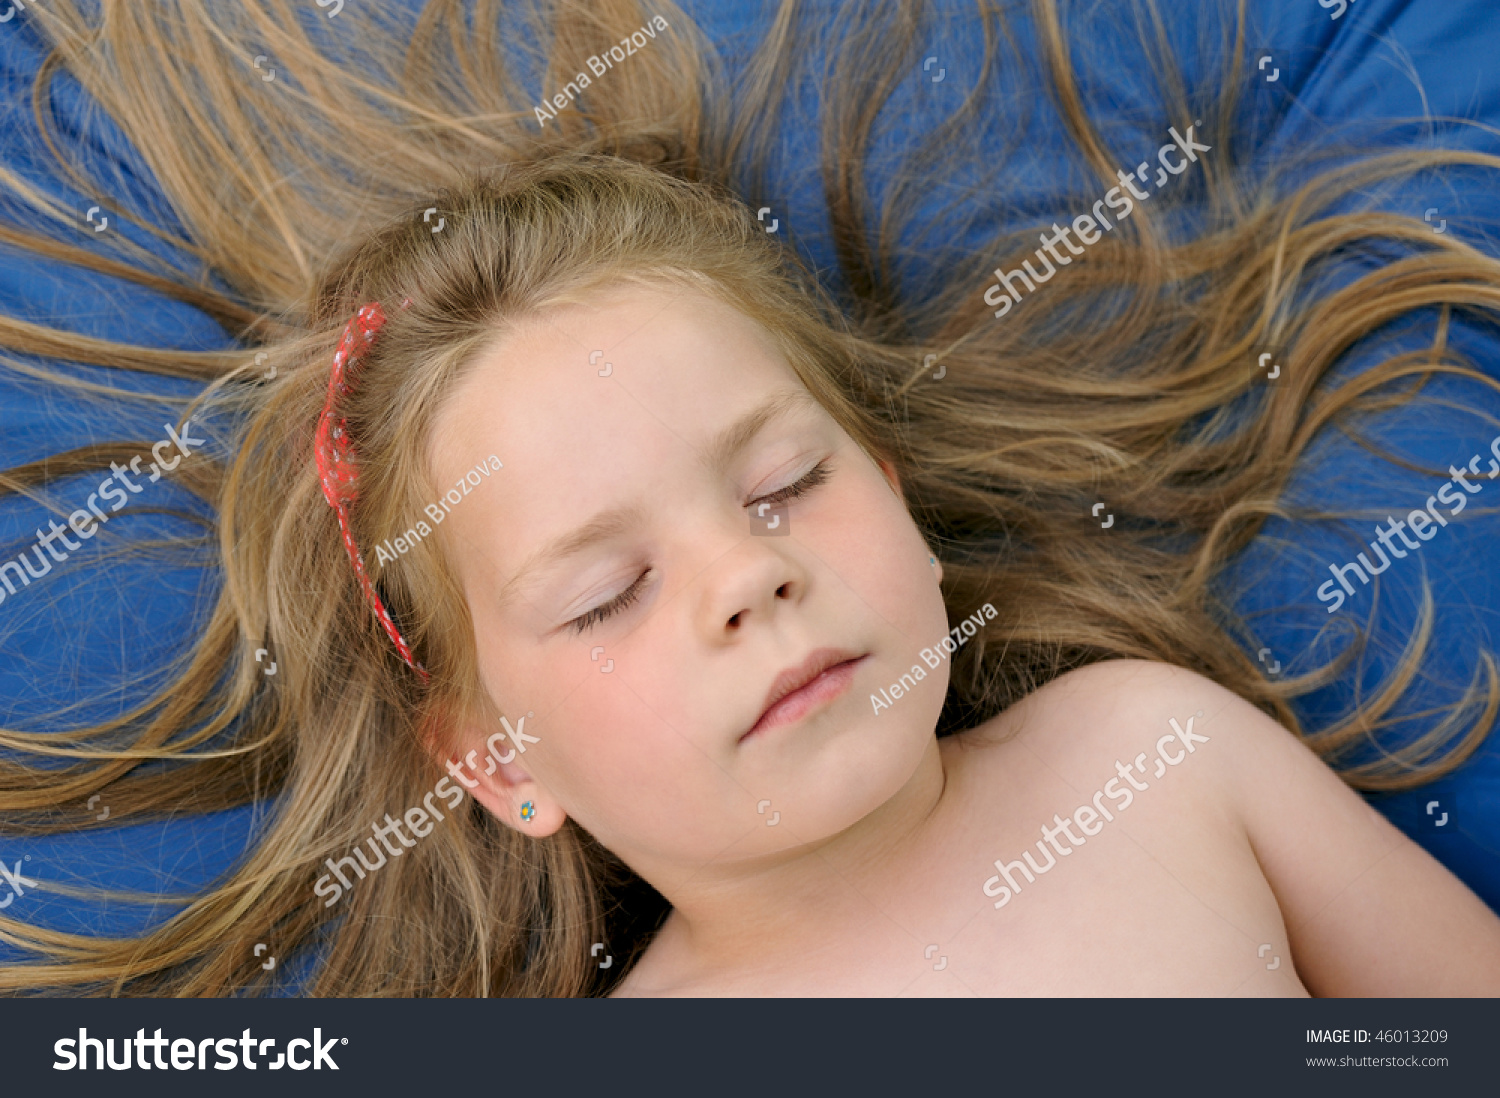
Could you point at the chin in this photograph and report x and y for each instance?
(857, 771)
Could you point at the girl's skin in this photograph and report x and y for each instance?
(886, 836)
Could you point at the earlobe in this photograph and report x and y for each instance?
(515, 799)
(489, 770)
(509, 792)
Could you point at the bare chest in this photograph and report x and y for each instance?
(1131, 926)
(1161, 899)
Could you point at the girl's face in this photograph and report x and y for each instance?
(629, 589)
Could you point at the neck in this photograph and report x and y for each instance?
(758, 913)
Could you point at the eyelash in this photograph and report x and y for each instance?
(613, 606)
(814, 477)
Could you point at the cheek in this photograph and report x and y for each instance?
(867, 538)
(602, 749)
(624, 766)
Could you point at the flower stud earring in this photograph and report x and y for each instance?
(528, 811)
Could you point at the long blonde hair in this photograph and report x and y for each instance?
(308, 195)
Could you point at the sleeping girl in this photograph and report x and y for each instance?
(732, 758)
(752, 656)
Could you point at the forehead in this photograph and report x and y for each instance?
(581, 381)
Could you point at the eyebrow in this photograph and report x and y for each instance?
(612, 522)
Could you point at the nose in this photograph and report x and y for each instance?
(752, 583)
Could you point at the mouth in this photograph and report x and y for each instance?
(797, 691)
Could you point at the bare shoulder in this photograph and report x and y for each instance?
(1153, 717)
(1161, 744)
(1367, 911)
(1111, 690)
(1123, 708)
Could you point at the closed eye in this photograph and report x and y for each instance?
(613, 606)
(814, 477)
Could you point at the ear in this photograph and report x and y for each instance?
(490, 766)
(888, 468)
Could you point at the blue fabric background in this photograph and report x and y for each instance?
(95, 633)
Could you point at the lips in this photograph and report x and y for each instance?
(824, 674)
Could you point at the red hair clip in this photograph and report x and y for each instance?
(336, 459)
